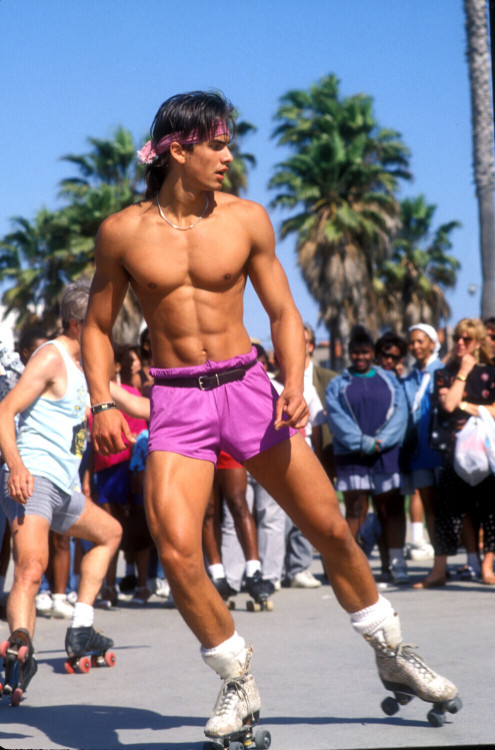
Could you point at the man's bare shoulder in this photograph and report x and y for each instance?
(242, 205)
(125, 222)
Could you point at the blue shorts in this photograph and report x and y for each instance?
(236, 417)
(60, 509)
(113, 484)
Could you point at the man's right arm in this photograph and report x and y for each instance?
(108, 289)
(40, 373)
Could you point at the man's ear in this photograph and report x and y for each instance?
(177, 152)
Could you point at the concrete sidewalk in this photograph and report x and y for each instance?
(317, 678)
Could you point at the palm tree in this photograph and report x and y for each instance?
(342, 177)
(410, 285)
(478, 54)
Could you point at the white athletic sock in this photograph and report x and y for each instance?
(59, 597)
(367, 621)
(251, 567)
(232, 645)
(417, 534)
(216, 571)
(84, 615)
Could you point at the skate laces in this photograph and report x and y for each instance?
(407, 651)
(231, 691)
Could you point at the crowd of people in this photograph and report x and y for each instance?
(384, 429)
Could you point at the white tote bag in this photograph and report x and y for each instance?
(489, 423)
(471, 460)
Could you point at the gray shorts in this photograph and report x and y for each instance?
(60, 509)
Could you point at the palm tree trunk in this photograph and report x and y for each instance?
(478, 54)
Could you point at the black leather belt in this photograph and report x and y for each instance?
(206, 382)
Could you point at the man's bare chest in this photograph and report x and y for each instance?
(166, 263)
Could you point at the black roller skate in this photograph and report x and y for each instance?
(225, 590)
(87, 648)
(20, 664)
(260, 590)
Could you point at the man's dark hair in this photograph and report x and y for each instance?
(390, 338)
(360, 337)
(489, 323)
(195, 111)
(28, 337)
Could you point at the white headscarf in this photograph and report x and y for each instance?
(432, 334)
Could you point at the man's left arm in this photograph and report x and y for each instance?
(271, 285)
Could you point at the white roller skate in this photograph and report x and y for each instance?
(406, 675)
(238, 705)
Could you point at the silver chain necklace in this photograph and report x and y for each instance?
(182, 229)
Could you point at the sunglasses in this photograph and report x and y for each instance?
(387, 355)
(466, 339)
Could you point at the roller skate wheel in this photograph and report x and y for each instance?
(16, 697)
(436, 718)
(390, 706)
(23, 653)
(69, 667)
(110, 659)
(454, 705)
(3, 648)
(262, 739)
(230, 604)
(253, 606)
(84, 664)
(269, 606)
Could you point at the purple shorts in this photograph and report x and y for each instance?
(235, 417)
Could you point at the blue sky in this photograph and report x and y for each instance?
(69, 70)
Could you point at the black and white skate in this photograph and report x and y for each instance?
(87, 648)
(20, 665)
(260, 591)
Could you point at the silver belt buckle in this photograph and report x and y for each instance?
(200, 381)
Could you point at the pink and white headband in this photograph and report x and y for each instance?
(151, 150)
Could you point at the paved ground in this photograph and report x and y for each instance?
(317, 677)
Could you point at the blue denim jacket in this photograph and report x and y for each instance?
(419, 418)
(347, 435)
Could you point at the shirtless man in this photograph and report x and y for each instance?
(187, 252)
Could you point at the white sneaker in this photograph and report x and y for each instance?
(160, 587)
(422, 551)
(398, 570)
(305, 580)
(43, 603)
(61, 608)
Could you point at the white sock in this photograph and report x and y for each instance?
(84, 615)
(367, 621)
(251, 567)
(396, 553)
(417, 533)
(59, 597)
(232, 645)
(216, 571)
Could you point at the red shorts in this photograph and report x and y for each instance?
(227, 462)
(237, 418)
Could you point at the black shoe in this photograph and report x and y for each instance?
(86, 640)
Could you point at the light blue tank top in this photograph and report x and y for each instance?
(52, 432)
